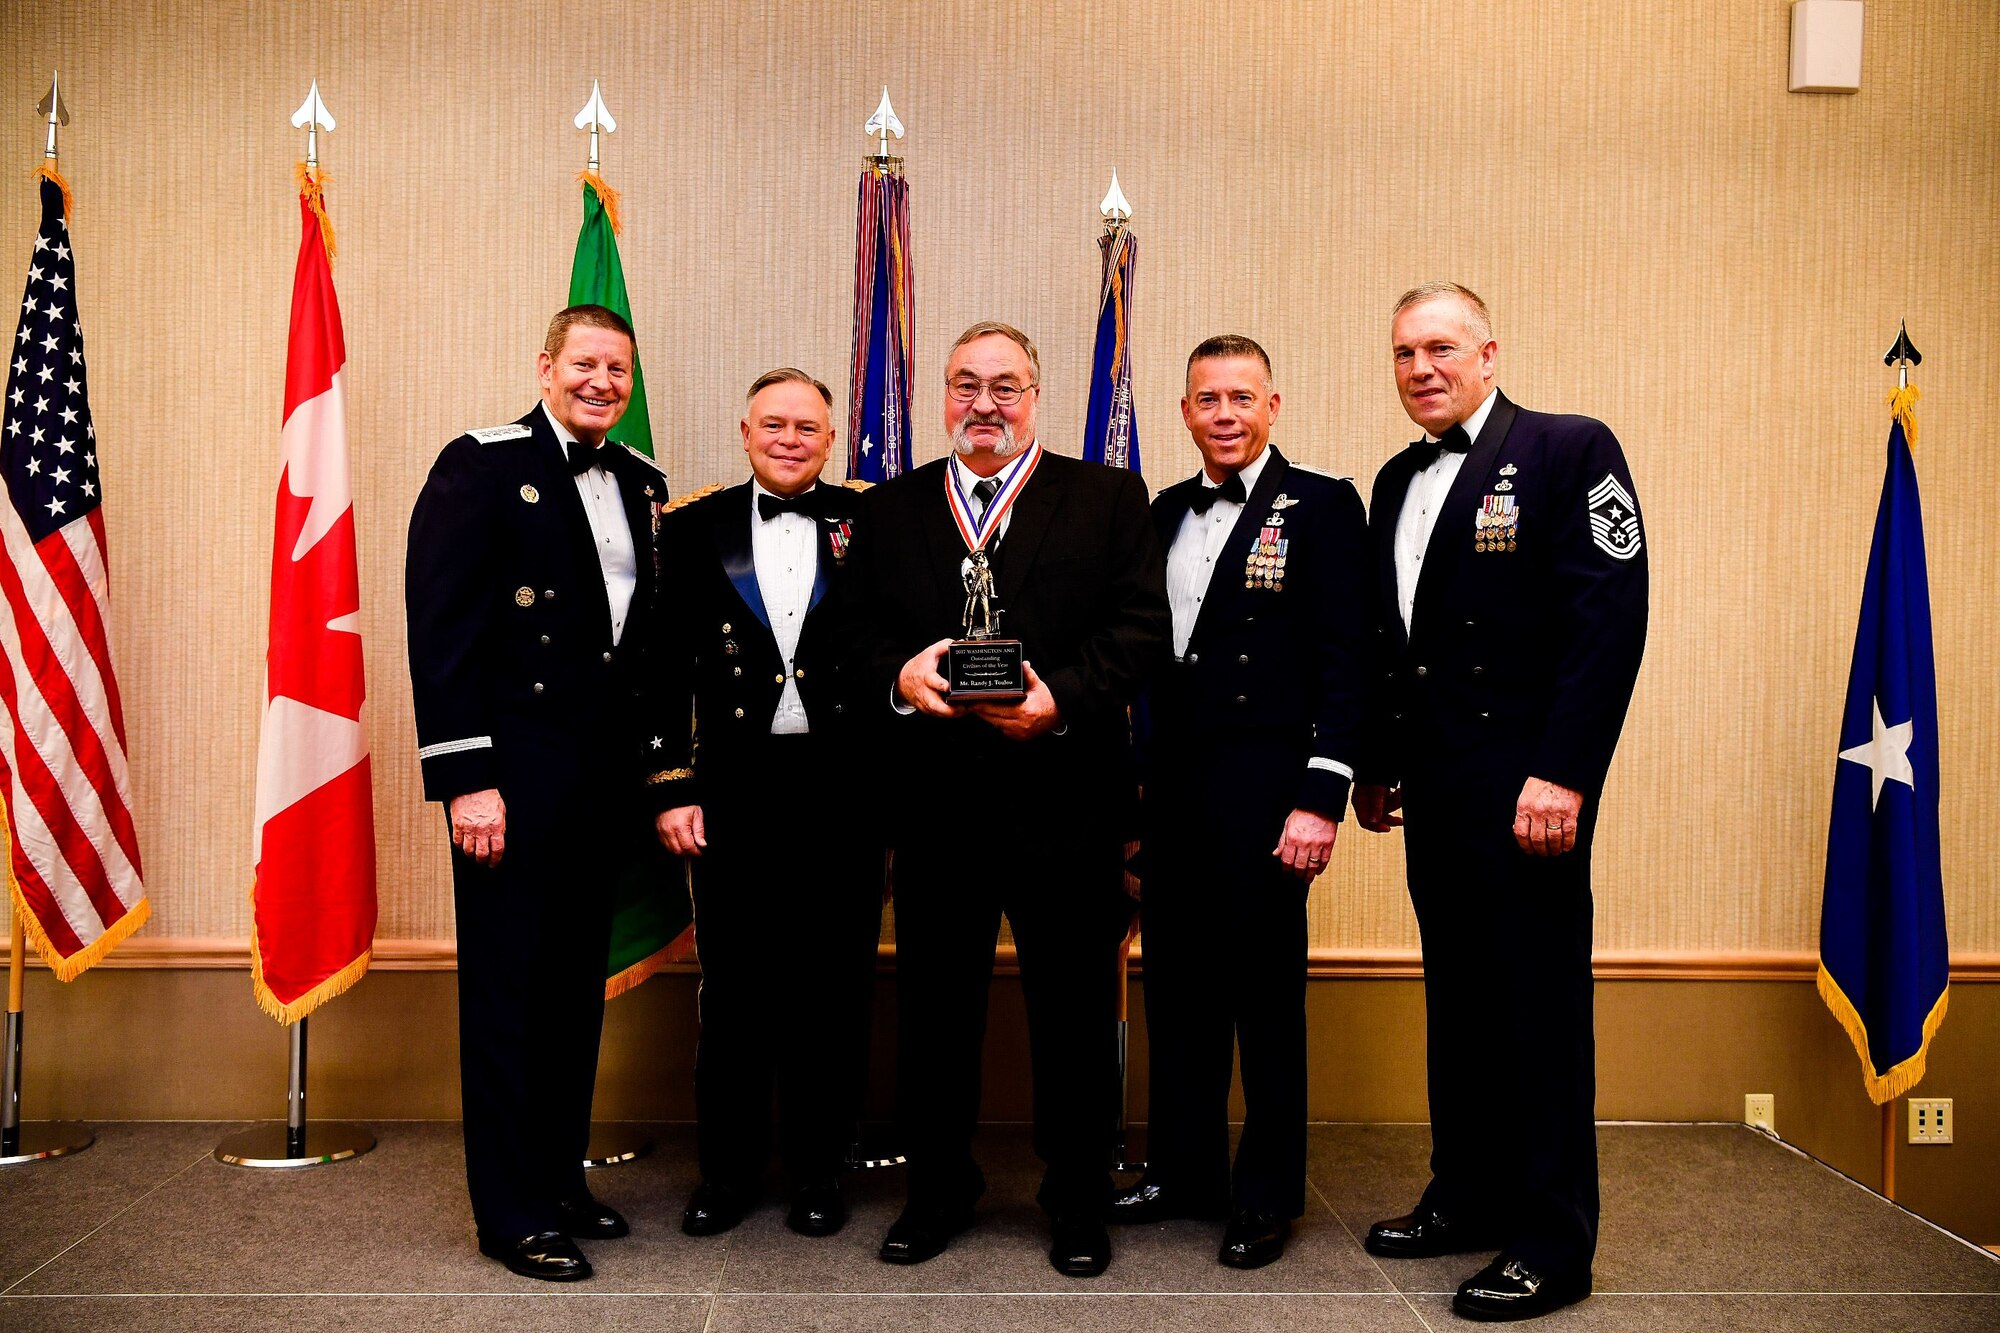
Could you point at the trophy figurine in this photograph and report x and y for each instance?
(982, 665)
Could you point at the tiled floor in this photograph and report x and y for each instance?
(1705, 1227)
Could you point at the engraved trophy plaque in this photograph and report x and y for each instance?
(981, 664)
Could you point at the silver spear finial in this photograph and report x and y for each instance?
(594, 117)
(883, 124)
(56, 110)
(312, 117)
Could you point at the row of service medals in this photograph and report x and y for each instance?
(1497, 525)
(1266, 566)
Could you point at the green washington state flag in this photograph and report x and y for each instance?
(650, 924)
(598, 278)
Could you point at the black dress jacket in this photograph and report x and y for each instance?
(1079, 580)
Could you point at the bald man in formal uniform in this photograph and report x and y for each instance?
(1511, 563)
(530, 594)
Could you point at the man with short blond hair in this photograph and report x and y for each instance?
(531, 612)
(1511, 571)
(1018, 808)
(756, 578)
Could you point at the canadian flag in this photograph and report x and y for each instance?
(314, 901)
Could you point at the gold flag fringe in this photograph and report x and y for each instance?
(1885, 1087)
(857, 484)
(47, 171)
(606, 196)
(74, 966)
(675, 950)
(1903, 406)
(312, 188)
(312, 999)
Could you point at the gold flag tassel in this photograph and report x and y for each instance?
(47, 171)
(605, 195)
(1903, 406)
(312, 188)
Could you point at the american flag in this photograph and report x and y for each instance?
(73, 855)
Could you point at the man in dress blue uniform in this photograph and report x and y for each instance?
(756, 578)
(1020, 807)
(1512, 581)
(530, 593)
(1249, 744)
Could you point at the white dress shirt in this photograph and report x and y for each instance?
(611, 533)
(784, 549)
(1421, 503)
(1197, 546)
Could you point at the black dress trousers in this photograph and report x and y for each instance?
(533, 936)
(788, 911)
(1067, 907)
(1508, 991)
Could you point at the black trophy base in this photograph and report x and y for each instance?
(985, 669)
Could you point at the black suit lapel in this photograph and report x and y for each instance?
(640, 486)
(732, 544)
(1027, 524)
(1451, 536)
(946, 548)
(1224, 583)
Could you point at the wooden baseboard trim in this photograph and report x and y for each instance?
(1323, 964)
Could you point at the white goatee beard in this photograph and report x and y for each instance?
(1009, 444)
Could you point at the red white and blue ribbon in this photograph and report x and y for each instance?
(978, 531)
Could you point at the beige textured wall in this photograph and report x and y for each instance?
(1670, 241)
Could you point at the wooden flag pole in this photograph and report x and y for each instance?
(1123, 1161)
(10, 1108)
(1889, 1149)
(22, 1143)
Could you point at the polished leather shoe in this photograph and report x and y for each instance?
(592, 1220)
(1147, 1202)
(1508, 1289)
(817, 1209)
(713, 1209)
(1079, 1246)
(548, 1256)
(1251, 1240)
(1425, 1233)
(921, 1233)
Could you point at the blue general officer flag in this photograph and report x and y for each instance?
(1884, 963)
(1111, 431)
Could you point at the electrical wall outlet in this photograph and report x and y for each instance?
(1930, 1120)
(1760, 1111)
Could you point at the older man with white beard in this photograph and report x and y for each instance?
(1039, 792)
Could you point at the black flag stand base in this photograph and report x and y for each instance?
(294, 1143)
(1124, 1161)
(40, 1140)
(612, 1143)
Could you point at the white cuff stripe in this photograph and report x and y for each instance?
(1331, 766)
(454, 747)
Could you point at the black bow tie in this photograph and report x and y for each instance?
(770, 506)
(1453, 441)
(1204, 496)
(583, 457)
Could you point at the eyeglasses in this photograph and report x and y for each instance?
(1005, 393)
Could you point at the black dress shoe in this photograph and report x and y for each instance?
(592, 1220)
(1251, 1240)
(1508, 1289)
(922, 1233)
(1080, 1246)
(548, 1256)
(817, 1209)
(1424, 1233)
(1148, 1202)
(713, 1209)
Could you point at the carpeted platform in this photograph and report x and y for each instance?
(1705, 1227)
